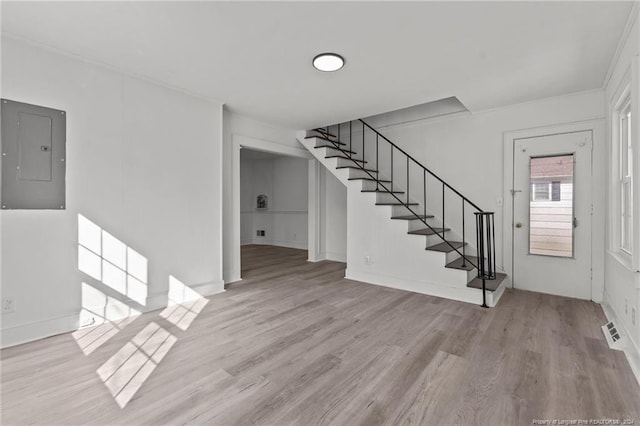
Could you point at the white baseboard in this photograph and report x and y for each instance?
(209, 288)
(332, 256)
(280, 243)
(25, 333)
(631, 350)
(462, 294)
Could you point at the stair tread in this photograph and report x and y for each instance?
(491, 285)
(369, 178)
(396, 203)
(457, 264)
(344, 157)
(336, 148)
(382, 191)
(323, 132)
(413, 217)
(357, 168)
(427, 231)
(446, 248)
(326, 139)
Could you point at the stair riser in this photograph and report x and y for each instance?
(469, 251)
(342, 162)
(413, 225)
(355, 173)
(388, 198)
(403, 211)
(332, 151)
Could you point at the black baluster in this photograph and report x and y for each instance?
(350, 133)
(408, 181)
(443, 223)
(377, 163)
(424, 179)
(464, 259)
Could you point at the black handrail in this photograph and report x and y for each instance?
(485, 229)
(420, 164)
(336, 144)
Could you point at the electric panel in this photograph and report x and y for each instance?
(33, 156)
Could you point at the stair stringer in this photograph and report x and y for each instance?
(396, 259)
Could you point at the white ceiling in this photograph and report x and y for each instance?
(256, 56)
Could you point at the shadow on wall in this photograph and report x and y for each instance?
(115, 299)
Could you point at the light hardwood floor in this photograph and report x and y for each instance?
(295, 343)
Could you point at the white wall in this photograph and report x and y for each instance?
(284, 181)
(333, 221)
(621, 282)
(144, 164)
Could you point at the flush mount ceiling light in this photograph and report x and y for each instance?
(328, 62)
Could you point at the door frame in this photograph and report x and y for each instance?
(238, 142)
(598, 178)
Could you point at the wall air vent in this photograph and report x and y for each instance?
(613, 335)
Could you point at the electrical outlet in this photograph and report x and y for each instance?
(499, 201)
(8, 305)
(88, 322)
(626, 306)
(367, 260)
(633, 315)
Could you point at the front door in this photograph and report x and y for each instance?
(552, 214)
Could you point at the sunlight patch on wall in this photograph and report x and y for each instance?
(125, 372)
(106, 314)
(184, 304)
(107, 259)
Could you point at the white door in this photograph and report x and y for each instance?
(552, 214)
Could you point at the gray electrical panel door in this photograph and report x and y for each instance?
(33, 156)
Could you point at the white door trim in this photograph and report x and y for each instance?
(238, 142)
(598, 179)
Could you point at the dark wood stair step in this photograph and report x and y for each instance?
(446, 248)
(457, 264)
(396, 203)
(413, 217)
(336, 148)
(369, 179)
(427, 231)
(326, 139)
(357, 168)
(344, 157)
(382, 191)
(491, 285)
(323, 132)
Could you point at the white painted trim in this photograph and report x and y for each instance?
(631, 350)
(314, 212)
(30, 332)
(25, 333)
(331, 256)
(461, 294)
(631, 20)
(598, 174)
(279, 243)
(239, 141)
(109, 67)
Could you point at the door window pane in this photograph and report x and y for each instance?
(551, 212)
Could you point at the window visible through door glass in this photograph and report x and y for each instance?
(551, 206)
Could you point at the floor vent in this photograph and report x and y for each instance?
(613, 335)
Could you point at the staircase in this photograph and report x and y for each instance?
(390, 192)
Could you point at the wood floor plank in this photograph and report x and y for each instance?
(294, 343)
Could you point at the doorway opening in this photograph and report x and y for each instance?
(273, 199)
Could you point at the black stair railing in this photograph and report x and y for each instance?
(485, 241)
